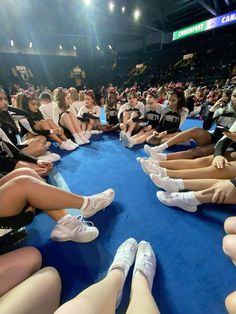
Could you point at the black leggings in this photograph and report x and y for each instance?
(17, 221)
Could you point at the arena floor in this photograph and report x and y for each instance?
(193, 274)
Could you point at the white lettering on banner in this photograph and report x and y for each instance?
(190, 30)
(229, 18)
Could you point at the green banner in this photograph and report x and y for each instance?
(190, 30)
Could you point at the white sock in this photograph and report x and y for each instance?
(162, 147)
(191, 197)
(163, 171)
(162, 156)
(128, 133)
(85, 203)
(180, 183)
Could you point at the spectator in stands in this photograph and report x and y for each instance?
(23, 190)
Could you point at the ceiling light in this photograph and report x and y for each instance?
(74, 47)
(87, 2)
(98, 48)
(12, 43)
(60, 47)
(31, 44)
(111, 6)
(123, 9)
(110, 47)
(137, 14)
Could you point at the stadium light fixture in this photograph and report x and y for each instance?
(12, 43)
(137, 14)
(123, 9)
(110, 47)
(111, 6)
(31, 44)
(74, 47)
(60, 47)
(87, 2)
(98, 48)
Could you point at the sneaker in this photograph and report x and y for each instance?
(48, 156)
(78, 140)
(126, 140)
(150, 166)
(145, 262)
(177, 200)
(70, 142)
(155, 155)
(166, 183)
(121, 135)
(71, 228)
(67, 146)
(97, 202)
(124, 258)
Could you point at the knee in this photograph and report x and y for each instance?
(229, 246)
(25, 172)
(39, 149)
(230, 303)
(230, 225)
(194, 131)
(32, 257)
(41, 139)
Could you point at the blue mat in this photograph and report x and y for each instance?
(193, 274)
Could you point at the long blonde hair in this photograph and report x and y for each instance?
(74, 94)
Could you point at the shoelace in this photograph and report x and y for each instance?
(84, 223)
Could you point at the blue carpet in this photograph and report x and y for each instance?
(193, 274)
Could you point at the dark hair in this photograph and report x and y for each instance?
(45, 95)
(90, 93)
(179, 93)
(6, 120)
(26, 98)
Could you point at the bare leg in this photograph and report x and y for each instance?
(52, 125)
(228, 172)
(18, 265)
(43, 125)
(142, 301)
(201, 136)
(99, 298)
(199, 184)
(124, 124)
(66, 122)
(197, 152)
(186, 163)
(205, 196)
(75, 122)
(42, 172)
(142, 138)
(230, 225)
(230, 303)
(25, 190)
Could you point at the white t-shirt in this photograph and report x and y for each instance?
(140, 108)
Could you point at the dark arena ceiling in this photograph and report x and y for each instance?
(73, 21)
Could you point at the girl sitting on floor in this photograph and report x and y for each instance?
(153, 115)
(172, 117)
(130, 115)
(44, 127)
(89, 115)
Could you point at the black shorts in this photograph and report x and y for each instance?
(17, 221)
(7, 165)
